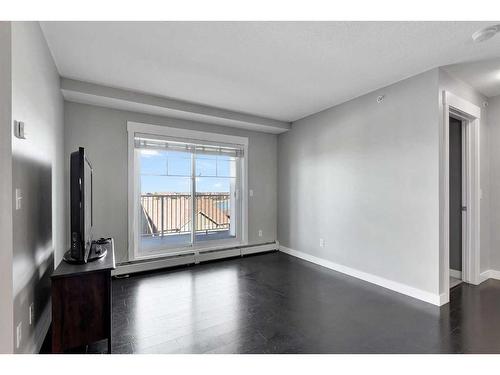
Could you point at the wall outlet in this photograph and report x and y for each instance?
(19, 334)
(260, 232)
(321, 242)
(32, 313)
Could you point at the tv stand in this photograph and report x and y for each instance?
(81, 302)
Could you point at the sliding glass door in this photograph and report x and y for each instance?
(165, 199)
(216, 193)
(189, 194)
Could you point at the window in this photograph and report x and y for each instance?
(186, 190)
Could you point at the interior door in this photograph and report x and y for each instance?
(457, 212)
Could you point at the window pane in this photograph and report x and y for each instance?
(226, 166)
(153, 162)
(179, 164)
(215, 206)
(165, 214)
(206, 166)
(165, 184)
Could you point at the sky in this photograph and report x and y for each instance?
(163, 171)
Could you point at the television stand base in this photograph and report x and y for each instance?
(68, 258)
(98, 249)
(92, 256)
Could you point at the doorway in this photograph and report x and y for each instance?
(457, 111)
(457, 201)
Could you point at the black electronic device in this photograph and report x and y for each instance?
(81, 207)
(100, 248)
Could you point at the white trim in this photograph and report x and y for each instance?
(422, 295)
(471, 114)
(211, 246)
(456, 274)
(137, 127)
(151, 265)
(489, 274)
(248, 250)
(191, 258)
(484, 276)
(213, 255)
(444, 298)
(464, 106)
(494, 274)
(132, 217)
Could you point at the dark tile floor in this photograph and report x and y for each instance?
(275, 303)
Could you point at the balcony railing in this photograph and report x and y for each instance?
(170, 213)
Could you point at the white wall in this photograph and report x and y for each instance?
(103, 133)
(493, 119)
(37, 162)
(6, 300)
(364, 176)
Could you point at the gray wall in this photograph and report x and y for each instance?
(103, 133)
(38, 228)
(364, 176)
(493, 120)
(6, 300)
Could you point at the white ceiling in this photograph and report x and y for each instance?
(279, 70)
(484, 75)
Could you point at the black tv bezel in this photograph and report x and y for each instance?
(79, 250)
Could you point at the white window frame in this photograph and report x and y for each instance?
(133, 183)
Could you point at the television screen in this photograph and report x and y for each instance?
(81, 206)
(88, 205)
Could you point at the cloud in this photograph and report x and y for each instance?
(149, 153)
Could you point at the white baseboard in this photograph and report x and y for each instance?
(484, 276)
(489, 274)
(456, 274)
(422, 295)
(494, 274)
(259, 249)
(444, 298)
(180, 260)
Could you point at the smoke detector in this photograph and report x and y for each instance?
(485, 34)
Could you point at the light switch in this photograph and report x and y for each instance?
(19, 199)
(250, 192)
(19, 130)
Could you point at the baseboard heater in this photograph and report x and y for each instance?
(193, 257)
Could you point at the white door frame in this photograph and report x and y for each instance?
(470, 114)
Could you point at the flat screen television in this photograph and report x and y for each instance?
(81, 206)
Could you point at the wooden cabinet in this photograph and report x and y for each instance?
(81, 303)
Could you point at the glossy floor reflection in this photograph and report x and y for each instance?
(275, 303)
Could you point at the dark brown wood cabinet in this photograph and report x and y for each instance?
(81, 303)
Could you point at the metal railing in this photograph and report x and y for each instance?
(170, 213)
